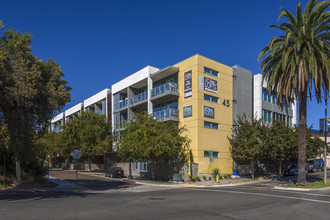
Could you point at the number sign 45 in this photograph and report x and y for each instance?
(226, 102)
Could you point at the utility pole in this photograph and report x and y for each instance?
(325, 136)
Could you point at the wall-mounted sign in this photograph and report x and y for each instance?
(208, 84)
(208, 112)
(187, 84)
(187, 111)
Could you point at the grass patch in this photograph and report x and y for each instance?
(315, 185)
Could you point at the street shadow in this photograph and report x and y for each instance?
(14, 195)
(293, 179)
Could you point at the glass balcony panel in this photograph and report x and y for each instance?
(139, 98)
(167, 87)
(166, 114)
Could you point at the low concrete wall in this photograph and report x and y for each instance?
(163, 171)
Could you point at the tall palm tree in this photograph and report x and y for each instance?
(297, 63)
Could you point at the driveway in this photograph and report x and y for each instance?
(91, 182)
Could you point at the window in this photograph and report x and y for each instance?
(212, 125)
(211, 98)
(211, 72)
(274, 99)
(266, 115)
(265, 96)
(140, 167)
(207, 154)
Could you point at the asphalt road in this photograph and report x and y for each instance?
(257, 201)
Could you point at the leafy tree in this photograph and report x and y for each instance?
(281, 144)
(146, 138)
(89, 133)
(50, 145)
(315, 146)
(298, 61)
(247, 141)
(31, 91)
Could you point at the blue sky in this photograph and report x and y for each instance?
(97, 43)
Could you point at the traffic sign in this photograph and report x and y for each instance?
(76, 154)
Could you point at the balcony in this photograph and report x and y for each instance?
(140, 98)
(121, 105)
(164, 92)
(167, 114)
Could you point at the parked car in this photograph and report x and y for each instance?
(317, 167)
(114, 172)
(290, 170)
(309, 166)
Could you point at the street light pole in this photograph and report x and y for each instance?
(325, 137)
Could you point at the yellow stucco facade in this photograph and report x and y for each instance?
(203, 138)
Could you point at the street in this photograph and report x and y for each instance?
(254, 201)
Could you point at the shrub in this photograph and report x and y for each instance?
(227, 176)
(220, 177)
(210, 178)
(204, 177)
(193, 178)
(198, 178)
(215, 172)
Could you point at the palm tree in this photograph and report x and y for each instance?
(297, 63)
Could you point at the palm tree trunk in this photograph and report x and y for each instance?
(301, 179)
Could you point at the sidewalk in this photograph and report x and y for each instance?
(222, 183)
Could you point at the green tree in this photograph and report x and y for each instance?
(281, 144)
(89, 132)
(247, 141)
(31, 91)
(146, 138)
(315, 146)
(298, 61)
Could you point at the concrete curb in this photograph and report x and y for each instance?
(293, 189)
(178, 185)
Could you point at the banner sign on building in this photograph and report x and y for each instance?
(208, 84)
(187, 84)
(208, 112)
(187, 111)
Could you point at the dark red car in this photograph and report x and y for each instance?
(114, 172)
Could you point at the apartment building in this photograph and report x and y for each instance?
(265, 105)
(73, 112)
(57, 122)
(99, 103)
(196, 92)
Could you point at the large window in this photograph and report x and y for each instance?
(212, 125)
(211, 72)
(211, 98)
